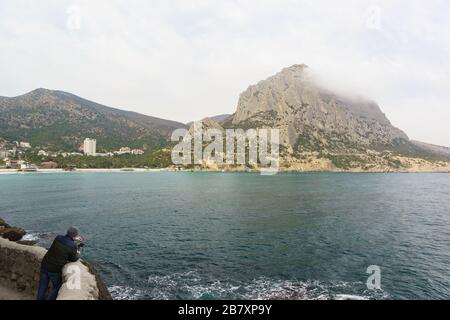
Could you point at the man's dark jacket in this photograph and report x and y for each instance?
(62, 251)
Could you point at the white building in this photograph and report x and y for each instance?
(106, 154)
(25, 145)
(43, 153)
(24, 164)
(137, 152)
(3, 154)
(90, 147)
(124, 150)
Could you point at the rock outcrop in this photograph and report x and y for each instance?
(9, 232)
(3, 224)
(321, 130)
(84, 288)
(20, 265)
(206, 123)
(13, 234)
(303, 110)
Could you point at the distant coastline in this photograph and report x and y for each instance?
(141, 170)
(106, 170)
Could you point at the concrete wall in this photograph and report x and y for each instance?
(20, 270)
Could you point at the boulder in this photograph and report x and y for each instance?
(13, 234)
(27, 242)
(103, 292)
(4, 224)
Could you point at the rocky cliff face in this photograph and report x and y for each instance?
(312, 117)
(206, 123)
(321, 130)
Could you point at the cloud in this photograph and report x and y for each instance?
(185, 59)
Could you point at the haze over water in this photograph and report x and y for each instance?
(233, 235)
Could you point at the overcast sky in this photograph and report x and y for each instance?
(186, 59)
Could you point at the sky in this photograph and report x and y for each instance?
(186, 59)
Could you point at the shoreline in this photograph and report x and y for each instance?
(125, 170)
(141, 170)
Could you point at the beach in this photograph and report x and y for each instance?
(125, 170)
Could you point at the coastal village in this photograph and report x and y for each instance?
(13, 155)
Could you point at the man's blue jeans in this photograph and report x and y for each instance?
(46, 277)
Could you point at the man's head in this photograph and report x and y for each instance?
(72, 232)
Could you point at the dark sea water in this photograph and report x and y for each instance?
(227, 236)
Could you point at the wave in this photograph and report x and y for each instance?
(31, 236)
(193, 285)
(125, 293)
(42, 238)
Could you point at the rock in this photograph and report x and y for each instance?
(293, 101)
(13, 277)
(14, 233)
(206, 123)
(103, 292)
(4, 224)
(336, 130)
(27, 242)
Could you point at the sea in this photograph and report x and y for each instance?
(199, 235)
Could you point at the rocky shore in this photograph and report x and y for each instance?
(20, 262)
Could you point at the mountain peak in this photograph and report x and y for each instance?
(295, 103)
(40, 91)
(206, 123)
(296, 68)
(63, 120)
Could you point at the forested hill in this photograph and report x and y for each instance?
(59, 120)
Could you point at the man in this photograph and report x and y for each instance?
(64, 249)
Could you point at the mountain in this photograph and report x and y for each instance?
(60, 121)
(434, 149)
(219, 118)
(293, 102)
(323, 127)
(320, 130)
(206, 123)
